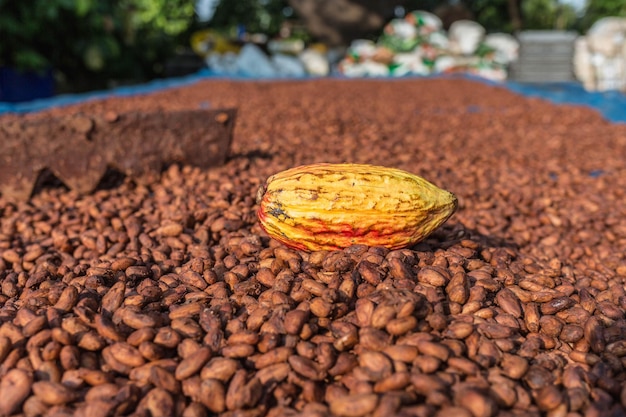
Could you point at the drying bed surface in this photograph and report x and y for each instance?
(165, 298)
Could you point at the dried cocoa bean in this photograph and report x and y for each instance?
(53, 393)
(354, 405)
(594, 334)
(15, 387)
(126, 354)
(306, 367)
(193, 363)
(158, 402)
(161, 378)
(479, 404)
(433, 276)
(219, 368)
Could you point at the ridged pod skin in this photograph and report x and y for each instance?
(333, 206)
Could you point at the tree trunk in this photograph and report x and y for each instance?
(338, 22)
(515, 13)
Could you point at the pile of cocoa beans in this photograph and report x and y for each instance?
(167, 299)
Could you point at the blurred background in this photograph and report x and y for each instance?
(68, 46)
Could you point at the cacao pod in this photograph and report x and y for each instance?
(333, 206)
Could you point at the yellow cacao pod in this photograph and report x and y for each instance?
(333, 206)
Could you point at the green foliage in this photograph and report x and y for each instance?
(548, 14)
(597, 9)
(92, 41)
(492, 14)
(544, 14)
(166, 16)
(256, 16)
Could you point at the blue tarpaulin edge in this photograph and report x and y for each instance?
(611, 104)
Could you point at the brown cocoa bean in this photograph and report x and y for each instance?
(346, 335)
(48, 371)
(617, 348)
(167, 337)
(126, 354)
(161, 378)
(306, 367)
(139, 336)
(345, 363)
(464, 365)
(91, 341)
(549, 397)
(382, 314)
(578, 398)
(401, 325)
(53, 393)
(355, 405)
(15, 387)
(187, 327)
(242, 393)
(95, 377)
(370, 272)
(69, 357)
(185, 310)
(587, 300)
(459, 330)
(320, 307)
(515, 367)
(61, 336)
(531, 317)
(5, 347)
(538, 377)
(219, 368)
(193, 363)
(392, 382)
(509, 303)
(213, 395)
(584, 357)
(495, 331)
(427, 364)
(551, 325)
(401, 353)
(151, 351)
(106, 328)
(425, 384)
(453, 411)
(158, 402)
(433, 349)
(273, 373)
(277, 355)
(376, 365)
(51, 351)
(113, 363)
(239, 350)
(295, 320)
(504, 394)
(68, 299)
(479, 404)
(571, 333)
(364, 310)
(574, 315)
(433, 276)
(594, 334)
(34, 326)
(114, 297)
(374, 339)
(388, 405)
(557, 304)
(33, 406)
(137, 320)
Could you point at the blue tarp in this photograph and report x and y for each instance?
(612, 104)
